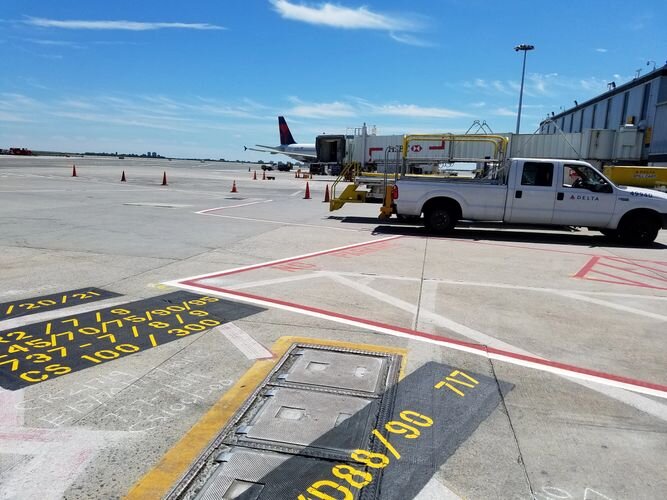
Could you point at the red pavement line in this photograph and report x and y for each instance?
(445, 340)
(522, 247)
(631, 271)
(587, 267)
(540, 249)
(290, 259)
(631, 262)
(589, 278)
(624, 281)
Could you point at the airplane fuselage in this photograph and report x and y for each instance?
(299, 152)
(288, 146)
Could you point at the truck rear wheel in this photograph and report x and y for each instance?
(440, 220)
(639, 229)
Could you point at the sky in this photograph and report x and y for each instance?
(203, 78)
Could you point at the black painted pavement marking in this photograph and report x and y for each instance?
(41, 351)
(70, 298)
(436, 409)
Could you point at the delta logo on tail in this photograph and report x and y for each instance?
(288, 146)
(286, 138)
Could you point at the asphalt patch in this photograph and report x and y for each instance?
(46, 350)
(70, 298)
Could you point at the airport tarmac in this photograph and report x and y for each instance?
(149, 332)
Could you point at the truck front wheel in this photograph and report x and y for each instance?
(440, 220)
(639, 229)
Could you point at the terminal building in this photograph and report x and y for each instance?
(640, 105)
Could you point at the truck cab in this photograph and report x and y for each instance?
(567, 193)
(573, 193)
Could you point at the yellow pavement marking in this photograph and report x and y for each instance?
(158, 482)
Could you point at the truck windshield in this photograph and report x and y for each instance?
(583, 177)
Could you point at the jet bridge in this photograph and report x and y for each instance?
(371, 162)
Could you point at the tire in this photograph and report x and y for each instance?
(638, 229)
(440, 220)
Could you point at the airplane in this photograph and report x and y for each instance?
(288, 146)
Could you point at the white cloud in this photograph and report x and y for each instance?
(538, 85)
(361, 107)
(9, 117)
(601, 50)
(410, 40)
(415, 111)
(53, 43)
(503, 112)
(337, 16)
(115, 25)
(321, 110)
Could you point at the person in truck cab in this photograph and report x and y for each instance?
(586, 178)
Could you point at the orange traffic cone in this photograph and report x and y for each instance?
(73, 170)
(234, 187)
(122, 177)
(263, 175)
(326, 194)
(254, 175)
(164, 179)
(307, 196)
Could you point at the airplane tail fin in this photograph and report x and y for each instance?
(285, 135)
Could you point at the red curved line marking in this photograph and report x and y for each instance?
(447, 340)
(291, 259)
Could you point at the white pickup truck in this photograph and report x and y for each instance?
(537, 192)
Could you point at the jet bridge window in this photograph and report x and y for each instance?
(537, 174)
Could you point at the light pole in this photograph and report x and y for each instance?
(525, 48)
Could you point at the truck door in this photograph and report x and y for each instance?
(584, 199)
(532, 194)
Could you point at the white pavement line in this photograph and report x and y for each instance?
(507, 286)
(435, 490)
(297, 192)
(390, 330)
(60, 313)
(177, 283)
(205, 212)
(283, 223)
(55, 456)
(612, 305)
(636, 401)
(248, 346)
(428, 316)
(10, 414)
(277, 281)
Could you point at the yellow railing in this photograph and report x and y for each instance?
(347, 174)
(499, 142)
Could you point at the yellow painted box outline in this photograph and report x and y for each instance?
(159, 481)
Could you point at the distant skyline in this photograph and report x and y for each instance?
(133, 77)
